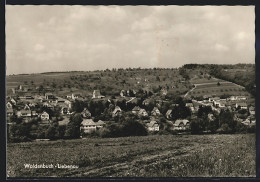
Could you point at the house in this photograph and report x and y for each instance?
(32, 104)
(152, 126)
(122, 93)
(96, 94)
(24, 113)
(147, 102)
(249, 122)
(34, 113)
(9, 105)
(212, 99)
(234, 98)
(29, 97)
(211, 117)
(13, 101)
(42, 99)
(88, 125)
(251, 110)
(75, 96)
(169, 114)
(219, 104)
(155, 112)
(136, 109)
(116, 111)
(181, 124)
(45, 116)
(85, 113)
(9, 112)
(49, 96)
(242, 105)
(48, 105)
(191, 106)
(164, 91)
(64, 110)
(26, 107)
(60, 100)
(142, 112)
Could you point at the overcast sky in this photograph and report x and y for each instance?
(75, 38)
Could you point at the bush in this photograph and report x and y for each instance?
(224, 129)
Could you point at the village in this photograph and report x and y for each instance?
(153, 112)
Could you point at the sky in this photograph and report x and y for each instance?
(85, 38)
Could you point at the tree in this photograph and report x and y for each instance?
(73, 127)
(52, 132)
(227, 117)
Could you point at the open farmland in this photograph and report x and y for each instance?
(211, 88)
(148, 156)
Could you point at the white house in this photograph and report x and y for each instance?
(136, 109)
(88, 125)
(153, 126)
(97, 94)
(24, 113)
(155, 112)
(45, 116)
(116, 111)
(169, 114)
(242, 105)
(181, 124)
(219, 104)
(9, 105)
(142, 112)
(86, 113)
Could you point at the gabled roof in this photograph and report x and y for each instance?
(136, 108)
(141, 111)
(87, 122)
(179, 121)
(152, 124)
(25, 111)
(117, 108)
(242, 104)
(44, 112)
(169, 112)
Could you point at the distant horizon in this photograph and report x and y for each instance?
(61, 37)
(122, 68)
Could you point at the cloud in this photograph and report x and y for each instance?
(100, 37)
(39, 47)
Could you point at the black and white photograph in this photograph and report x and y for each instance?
(130, 91)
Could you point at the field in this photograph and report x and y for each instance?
(211, 88)
(148, 156)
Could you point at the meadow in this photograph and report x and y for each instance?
(147, 156)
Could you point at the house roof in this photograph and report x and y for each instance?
(117, 108)
(44, 112)
(136, 108)
(169, 112)
(85, 110)
(251, 108)
(9, 110)
(179, 121)
(242, 104)
(189, 105)
(152, 124)
(141, 111)
(87, 122)
(25, 111)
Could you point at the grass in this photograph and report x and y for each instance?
(148, 156)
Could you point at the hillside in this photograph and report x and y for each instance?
(179, 81)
